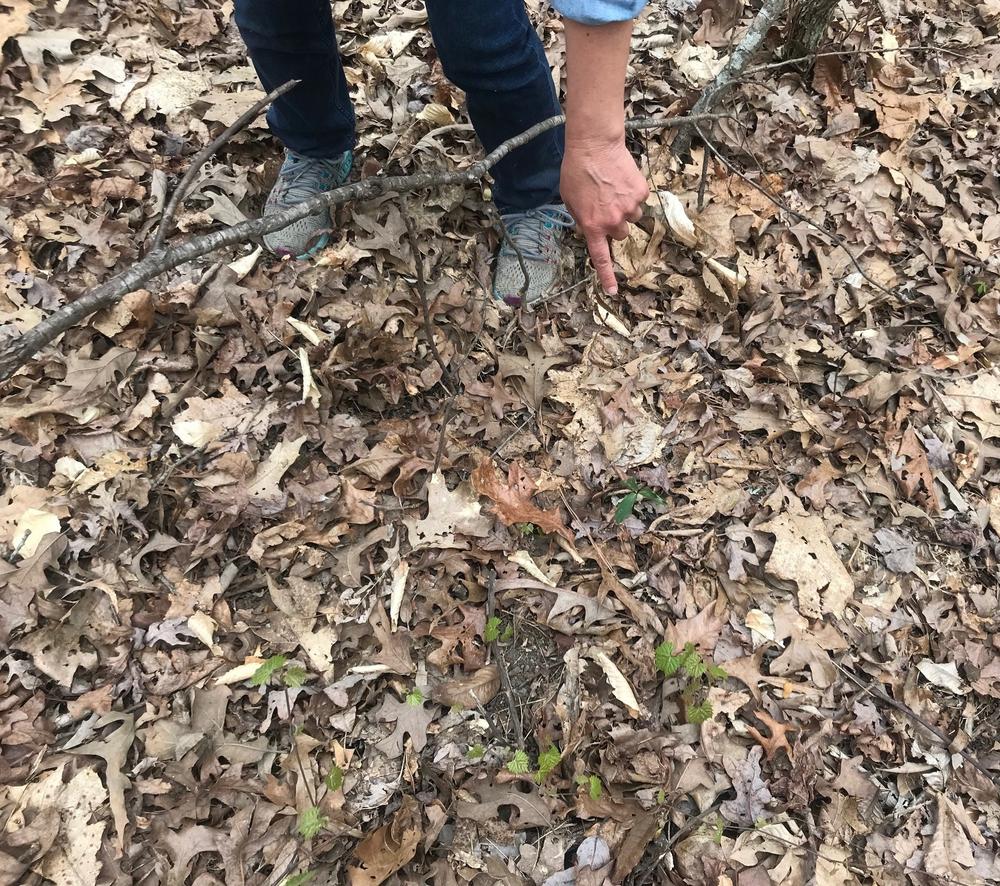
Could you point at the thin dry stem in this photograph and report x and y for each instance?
(182, 189)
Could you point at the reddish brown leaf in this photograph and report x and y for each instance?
(512, 500)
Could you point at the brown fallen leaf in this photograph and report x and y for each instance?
(472, 692)
(752, 795)
(385, 851)
(804, 554)
(512, 500)
(778, 738)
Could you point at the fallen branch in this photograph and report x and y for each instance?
(731, 71)
(15, 354)
(835, 238)
(181, 191)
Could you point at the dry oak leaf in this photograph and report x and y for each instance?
(114, 750)
(72, 859)
(778, 738)
(804, 554)
(512, 500)
(448, 513)
(411, 719)
(385, 851)
(752, 795)
(949, 855)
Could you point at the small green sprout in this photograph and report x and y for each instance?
(519, 764)
(311, 822)
(334, 779)
(547, 761)
(636, 493)
(491, 633)
(263, 674)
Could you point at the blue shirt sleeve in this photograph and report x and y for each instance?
(599, 12)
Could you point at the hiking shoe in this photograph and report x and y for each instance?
(299, 179)
(537, 233)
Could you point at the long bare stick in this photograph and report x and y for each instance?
(946, 741)
(732, 70)
(181, 191)
(14, 355)
(835, 238)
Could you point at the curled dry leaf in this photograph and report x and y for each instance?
(620, 686)
(472, 692)
(385, 851)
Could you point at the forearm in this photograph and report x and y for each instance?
(596, 60)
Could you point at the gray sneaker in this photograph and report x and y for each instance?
(299, 179)
(538, 234)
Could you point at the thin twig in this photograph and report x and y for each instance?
(835, 238)
(509, 241)
(770, 66)
(515, 710)
(418, 267)
(449, 411)
(942, 737)
(15, 354)
(181, 191)
(732, 70)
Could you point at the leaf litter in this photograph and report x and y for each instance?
(240, 468)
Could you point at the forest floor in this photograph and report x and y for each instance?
(705, 587)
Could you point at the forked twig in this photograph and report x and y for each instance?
(182, 189)
(15, 354)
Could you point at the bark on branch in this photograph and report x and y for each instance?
(732, 71)
(18, 352)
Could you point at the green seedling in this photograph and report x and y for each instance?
(699, 674)
(519, 764)
(635, 494)
(334, 779)
(593, 784)
(312, 822)
(547, 761)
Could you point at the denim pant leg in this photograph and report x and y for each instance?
(489, 49)
(290, 39)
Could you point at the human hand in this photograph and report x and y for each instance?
(604, 190)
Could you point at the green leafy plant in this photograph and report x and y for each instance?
(519, 764)
(334, 779)
(635, 492)
(699, 675)
(415, 697)
(476, 752)
(299, 879)
(294, 677)
(311, 822)
(291, 676)
(595, 787)
(262, 676)
(526, 529)
(491, 633)
(547, 761)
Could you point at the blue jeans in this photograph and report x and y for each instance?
(487, 48)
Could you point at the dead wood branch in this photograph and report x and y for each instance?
(946, 742)
(182, 189)
(732, 71)
(14, 355)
